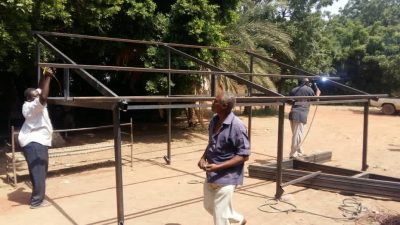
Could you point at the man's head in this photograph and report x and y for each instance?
(224, 103)
(304, 81)
(30, 94)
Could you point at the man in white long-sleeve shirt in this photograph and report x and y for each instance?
(35, 137)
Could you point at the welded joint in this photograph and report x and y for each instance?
(123, 105)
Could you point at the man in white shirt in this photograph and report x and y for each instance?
(35, 137)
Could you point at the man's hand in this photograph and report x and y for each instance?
(211, 167)
(48, 72)
(202, 164)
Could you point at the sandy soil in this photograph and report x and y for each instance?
(156, 193)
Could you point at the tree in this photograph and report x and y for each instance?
(368, 36)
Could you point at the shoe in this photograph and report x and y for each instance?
(244, 221)
(299, 158)
(44, 203)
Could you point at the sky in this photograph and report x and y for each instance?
(334, 8)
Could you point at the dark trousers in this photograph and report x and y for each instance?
(37, 157)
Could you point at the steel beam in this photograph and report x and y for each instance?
(105, 99)
(165, 70)
(250, 90)
(123, 40)
(83, 104)
(118, 164)
(83, 73)
(279, 189)
(38, 51)
(300, 179)
(387, 187)
(364, 165)
(233, 76)
(66, 84)
(342, 86)
(167, 158)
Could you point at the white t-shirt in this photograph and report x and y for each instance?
(37, 126)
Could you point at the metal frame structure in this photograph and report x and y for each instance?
(115, 103)
(13, 158)
(309, 173)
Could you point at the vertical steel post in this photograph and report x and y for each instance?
(131, 142)
(213, 85)
(279, 190)
(38, 60)
(365, 137)
(66, 84)
(13, 155)
(168, 157)
(118, 164)
(250, 94)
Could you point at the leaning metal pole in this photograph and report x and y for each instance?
(279, 190)
(38, 60)
(365, 137)
(168, 157)
(118, 164)
(250, 108)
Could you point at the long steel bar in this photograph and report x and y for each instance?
(331, 102)
(300, 179)
(364, 166)
(250, 90)
(384, 187)
(118, 164)
(100, 38)
(89, 128)
(279, 159)
(13, 155)
(105, 99)
(175, 71)
(66, 84)
(84, 104)
(83, 73)
(344, 87)
(168, 159)
(231, 75)
(183, 106)
(38, 51)
(131, 123)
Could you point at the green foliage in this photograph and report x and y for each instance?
(368, 38)
(362, 44)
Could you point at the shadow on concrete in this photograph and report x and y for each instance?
(19, 196)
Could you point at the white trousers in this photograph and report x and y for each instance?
(218, 202)
(297, 138)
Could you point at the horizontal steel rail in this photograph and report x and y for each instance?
(102, 102)
(238, 99)
(231, 76)
(84, 74)
(384, 187)
(300, 179)
(331, 102)
(342, 86)
(131, 41)
(172, 71)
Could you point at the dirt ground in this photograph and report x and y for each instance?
(156, 193)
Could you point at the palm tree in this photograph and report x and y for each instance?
(253, 31)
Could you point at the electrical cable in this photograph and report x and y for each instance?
(350, 207)
(309, 127)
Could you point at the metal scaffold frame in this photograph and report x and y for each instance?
(111, 101)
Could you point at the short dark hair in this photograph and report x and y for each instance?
(304, 81)
(28, 92)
